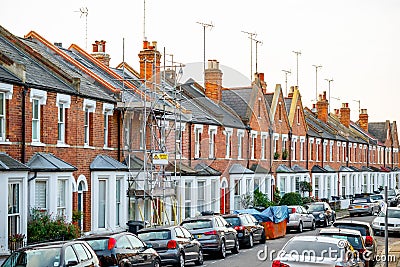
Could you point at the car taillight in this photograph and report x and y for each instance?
(293, 210)
(278, 263)
(171, 244)
(213, 232)
(366, 206)
(111, 243)
(369, 241)
(239, 228)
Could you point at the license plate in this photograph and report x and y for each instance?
(199, 236)
(358, 207)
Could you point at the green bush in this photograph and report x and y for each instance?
(41, 227)
(277, 195)
(291, 198)
(261, 200)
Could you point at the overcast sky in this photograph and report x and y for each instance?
(357, 42)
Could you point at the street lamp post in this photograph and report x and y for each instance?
(316, 80)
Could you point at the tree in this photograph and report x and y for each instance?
(305, 187)
(291, 199)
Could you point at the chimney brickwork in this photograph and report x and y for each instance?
(363, 120)
(345, 115)
(149, 58)
(213, 81)
(322, 107)
(99, 52)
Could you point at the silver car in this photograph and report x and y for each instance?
(317, 251)
(300, 218)
(378, 224)
(363, 205)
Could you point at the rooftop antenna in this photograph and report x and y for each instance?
(329, 93)
(252, 35)
(84, 12)
(297, 66)
(205, 25)
(286, 74)
(257, 42)
(316, 80)
(359, 105)
(144, 19)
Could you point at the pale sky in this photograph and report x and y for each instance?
(357, 42)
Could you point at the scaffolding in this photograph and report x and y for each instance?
(148, 150)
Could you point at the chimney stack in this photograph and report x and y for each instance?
(263, 84)
(213, 81)
(363, 119)
(345, 114)
(322, 107)
(99, 52)
(150, 60)
(291, 92)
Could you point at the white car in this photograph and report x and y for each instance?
(378, 224)
(300, 218)
(317, 251)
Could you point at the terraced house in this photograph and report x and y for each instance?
(118, 144)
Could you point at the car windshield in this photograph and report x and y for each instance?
(391, 193)
(235, 221)
(313, 248)
(377, 197)
(316, 207)
(200, 224)
(155, 235)
(391, 214)
(359, 228)
(34, 258)
(355, 241)
(360, 200)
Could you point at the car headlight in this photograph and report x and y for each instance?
(375, 223)
(321, 215)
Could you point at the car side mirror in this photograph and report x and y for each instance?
(72, 263)
(148, 246)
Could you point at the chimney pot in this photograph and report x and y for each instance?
(261, 76)
(145, 44)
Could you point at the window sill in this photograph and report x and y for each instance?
(87, 146)
(6, 142)
(59, 144)
(35, 143)
(107, 148)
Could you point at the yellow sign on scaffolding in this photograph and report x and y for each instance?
(160, 158)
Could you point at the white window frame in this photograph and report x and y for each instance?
(62, 102)
(118, 201)
(89, 106)
(14, 213)
(240, 135)
(302, 142)
(294, 143)
(7, 91)
(108, 110)
(106, 185)
(317, 143)
(331, 143)
(61, 197)
(39, 97)
(253, 136)
(264, 137)
(310, 148)
(325, 146)
(212, 132)
(46, 182)
(198, 130)
(201, 200)
(228, 142)
(338, 152)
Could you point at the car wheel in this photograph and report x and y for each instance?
(235, 250)
(313, 225)
(181, 262)
(263, 238)
(200, 259)
(250, 244)
(157, 263)
(300, 228)
(222, 250)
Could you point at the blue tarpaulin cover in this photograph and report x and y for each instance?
(275, 214)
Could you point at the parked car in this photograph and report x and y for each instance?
(247, 227)
(322, 212)
(300, 218)
(378, 224)
(379, 198)
(355, 239)
(363, 205)
(365, 230)
(174, 244)
(214, 233)
(60, 253)
(317, 251)
(122, 249)
(393, 198)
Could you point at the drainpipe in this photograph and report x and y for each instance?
(119, 134)
(190, 144)
(290, 148)
(23, 126)
(248, 128)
